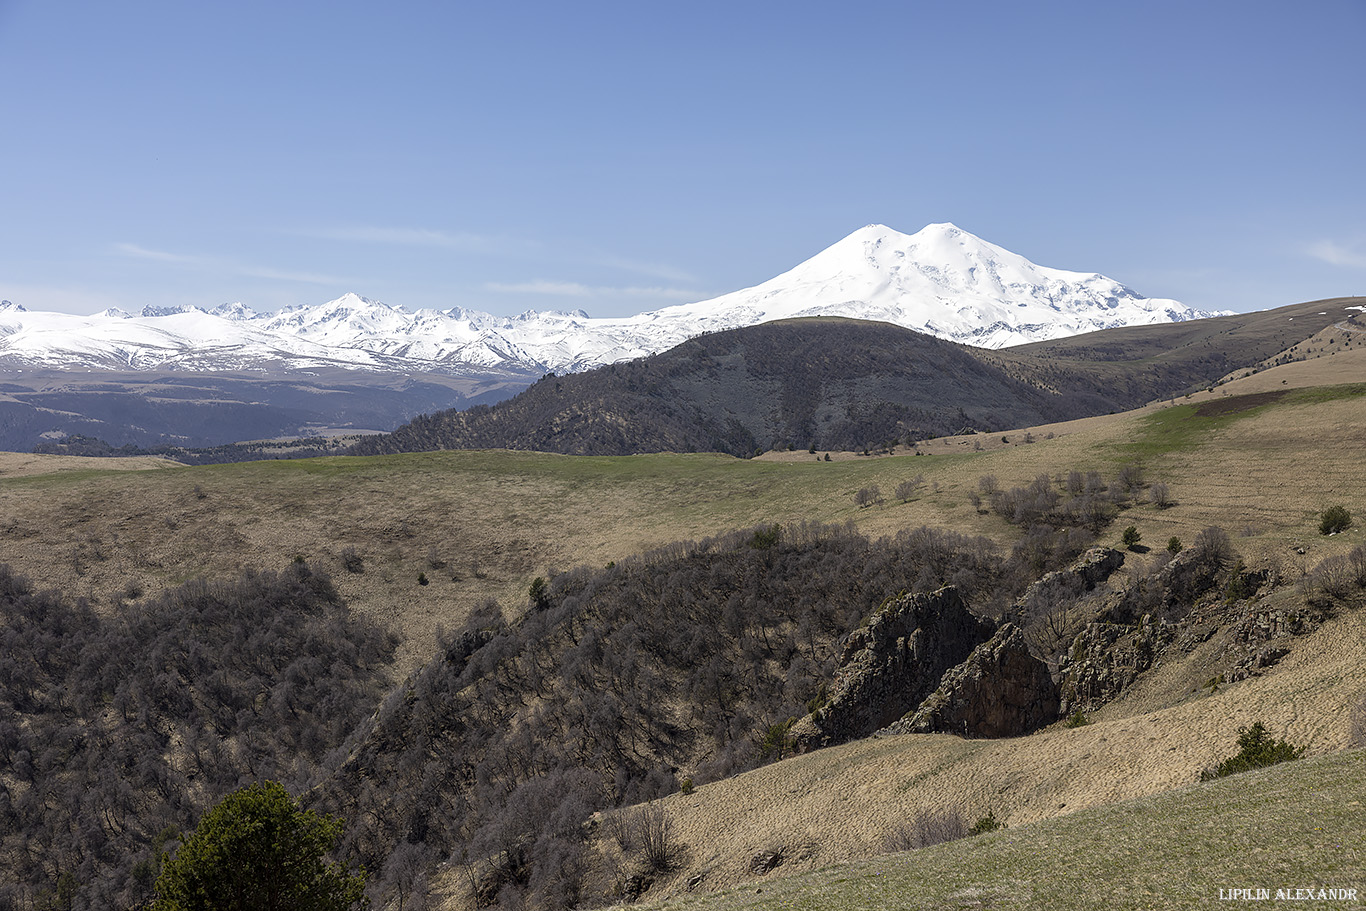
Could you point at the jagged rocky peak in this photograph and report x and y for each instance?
(235, 311)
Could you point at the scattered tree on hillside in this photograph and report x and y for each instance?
(907, 489)
(1160, 494)
(1337, 578)
(867, 496)
(1198, 569)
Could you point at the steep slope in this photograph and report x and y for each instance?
(1263, 472)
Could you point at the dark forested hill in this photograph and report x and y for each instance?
(848, 384)
(828, 383)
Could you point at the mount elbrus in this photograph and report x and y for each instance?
(194, 377)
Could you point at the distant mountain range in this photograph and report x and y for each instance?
(941, 281)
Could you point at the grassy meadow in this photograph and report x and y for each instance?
(483, 524)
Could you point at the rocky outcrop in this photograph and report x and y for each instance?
(1104, 659)
(890, 665)
(1096, 565)
(1261, 636)
(1091, 569)
(1000, 691)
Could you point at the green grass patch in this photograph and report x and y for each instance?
(1185, 427)
(1177, 429)
(1317, 394)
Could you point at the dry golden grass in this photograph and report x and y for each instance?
(1290, 827)
(477, 525)
(1268, 471)
(1265, 476)
(25, 464)
(842, 803)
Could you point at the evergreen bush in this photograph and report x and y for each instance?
(1334, 520)
(1257, 749)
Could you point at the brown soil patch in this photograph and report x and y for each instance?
(1237, 404)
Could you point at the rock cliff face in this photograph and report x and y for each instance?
(1105, 658)
(892, 664)
(1001, 690)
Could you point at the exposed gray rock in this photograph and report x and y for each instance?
(1105, 658)
(1091, 569)
(890, 665)
(1001, 690)
(1261, 635)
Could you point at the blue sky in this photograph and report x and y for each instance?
(620, 157)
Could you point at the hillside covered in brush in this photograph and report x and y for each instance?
(832, 384)
(836, 384)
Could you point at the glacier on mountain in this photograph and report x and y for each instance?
(942, 281)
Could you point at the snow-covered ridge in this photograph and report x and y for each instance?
(942, 281)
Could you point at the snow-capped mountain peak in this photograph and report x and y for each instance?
(234, 311)
(942, 280)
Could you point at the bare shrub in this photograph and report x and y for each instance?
(1129, 480)
(646, 831)
(1336, 578)
(1200, 567)
(1160, 494)
(867, 496)
(1052, 614)
(907, 489)
(926, 828)
(1213, 548)
(352, 561)
(403, 880)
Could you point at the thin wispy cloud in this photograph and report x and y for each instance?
(411, 237)
(311, 278)
(553, 289)
(134, 251)
(678, 294)
(653, 270)
(1352, 255)
(576, 289)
